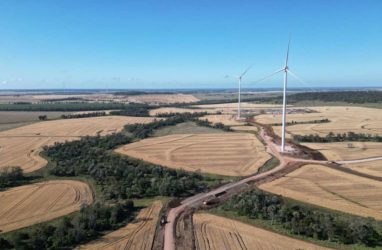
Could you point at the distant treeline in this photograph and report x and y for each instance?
(331, 137)
(81, 106)
(302, 122)
(84, 115)
(134, 92)
(357, 97)
(305, 220)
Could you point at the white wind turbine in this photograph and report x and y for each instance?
(286, 70)
(239, 78)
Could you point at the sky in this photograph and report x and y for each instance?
(188, 44)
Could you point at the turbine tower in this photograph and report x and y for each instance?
(239, 78)
(286, 70)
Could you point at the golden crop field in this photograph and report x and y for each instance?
(215, 232)
(342, 120)
(138, 234)
(338, 151)
(332, 189)
(30, 204)
(233, 154)
(21, 146)
(162, 98)
(372, 167)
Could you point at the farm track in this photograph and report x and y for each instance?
(287, 165)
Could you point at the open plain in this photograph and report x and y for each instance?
(21, 146)
(326, 187)
(215, 232)
(31, 204)
(233, 154)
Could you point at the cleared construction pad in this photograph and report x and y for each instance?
(136, 235)
(332, 189)
(233, 154)
(30, 204)
(215, 232)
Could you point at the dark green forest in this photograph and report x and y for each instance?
(331, 137)
(306, 220)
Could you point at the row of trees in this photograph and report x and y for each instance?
(326, 120)
(83, 115)
(77, 106)
(331, 137)
(306, 220)
(358, 97)
(70, 231)
(206, 123)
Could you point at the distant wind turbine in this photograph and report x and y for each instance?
(286, 70)
(240, 77)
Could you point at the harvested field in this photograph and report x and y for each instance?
(21, 146)
(233, 154)
(162, 98)
(155, 112)
(372, 168)
(332, 189)
(245, 128)
(228, 120)
(31, 204)
(342, 120)
(186, 128)
(233, 106)
(14, 119)
(339, 151)
(136, 235)
(215, 232)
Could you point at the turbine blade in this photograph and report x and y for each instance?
(296, 77)
(287, 54)
(245, 71)
(274, 73)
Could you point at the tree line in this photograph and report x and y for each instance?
(83, 115)
(331, 137)
(306, 220)
(326, 120)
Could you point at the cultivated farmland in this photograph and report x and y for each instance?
(215, 232)
(338, 151)
(372, 167)
(342, 120)
(21, 146)
(233, 154)
(136, 235)
(331, 188)
(30, 204)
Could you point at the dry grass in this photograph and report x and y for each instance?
(136, 235)
(332, 189)
(245, 128)
(372, 167)
(215, 232)
(163, 98)
(343, 119)
(233, 154)
(338, 151)
(21, 146)
(30, 204)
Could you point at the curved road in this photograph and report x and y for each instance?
(197, 200)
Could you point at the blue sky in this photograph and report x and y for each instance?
(187, 44)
